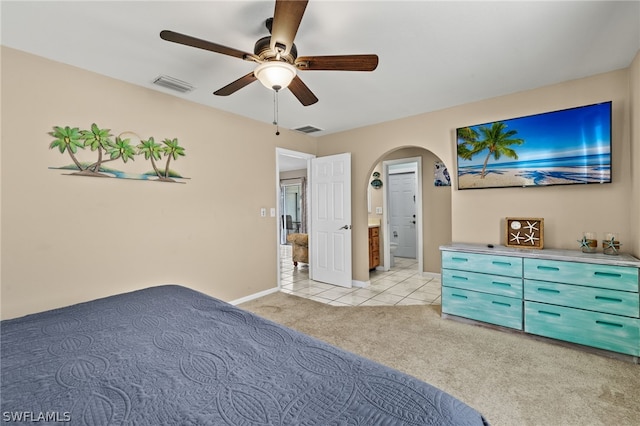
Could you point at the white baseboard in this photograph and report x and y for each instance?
(254, 296)
(360, 284)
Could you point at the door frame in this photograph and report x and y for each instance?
(385, 208)
(307, 157)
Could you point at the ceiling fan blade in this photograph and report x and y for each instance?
(302, 92)
(236, 85)
(337, 63)
(203, 44)
(286, 20)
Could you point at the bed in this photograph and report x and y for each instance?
(169, 355)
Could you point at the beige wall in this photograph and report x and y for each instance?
(478, 216)
(67, 239)
(634, 113)
(294, 174)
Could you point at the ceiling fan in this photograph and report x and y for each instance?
(277, 55)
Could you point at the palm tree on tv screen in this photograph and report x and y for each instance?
(494, 139)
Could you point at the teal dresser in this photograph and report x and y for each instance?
(483, 287)
(588, 299)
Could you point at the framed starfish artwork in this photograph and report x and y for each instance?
(524, 232)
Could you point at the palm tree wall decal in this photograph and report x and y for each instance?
(171, 150)
(121, 149)
(494, 139)
(152, 151)
(98, 140)
(71, 139)
(68, 139)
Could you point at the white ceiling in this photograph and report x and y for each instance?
(433, 54)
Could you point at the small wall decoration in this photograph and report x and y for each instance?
(126, 146)
(441, 174)
(524, 232)
(376, 182)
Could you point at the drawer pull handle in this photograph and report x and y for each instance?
(458, 277)
(609, 324)
(498, 263)
(548, 290)
(460, 259)
(553, 314)
(500, 284)
(459, 295)
(501, 304)
(607, 274)
(608, 299)
(548, 268)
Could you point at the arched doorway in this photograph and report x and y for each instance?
(433, 208)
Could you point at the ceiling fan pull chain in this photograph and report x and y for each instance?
(275, 111)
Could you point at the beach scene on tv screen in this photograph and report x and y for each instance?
(571, 146)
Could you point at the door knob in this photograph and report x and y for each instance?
(345, 227)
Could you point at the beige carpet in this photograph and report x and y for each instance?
(509, 378)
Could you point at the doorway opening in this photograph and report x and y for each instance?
(433, 208)
(292, 201)
(414, 278)
(325, 212)
(401, 205)
(292, 206)
(402, 211)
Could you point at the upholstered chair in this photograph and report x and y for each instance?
(299, 248)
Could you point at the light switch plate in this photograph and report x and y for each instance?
(273, 212)
(378, 210)
(263, 212)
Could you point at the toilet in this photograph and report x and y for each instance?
(394, 247)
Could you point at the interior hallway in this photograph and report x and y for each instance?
(400, 286)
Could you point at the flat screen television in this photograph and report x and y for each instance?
(570, 146)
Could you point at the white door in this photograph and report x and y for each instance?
(402, 213)
(330, 240)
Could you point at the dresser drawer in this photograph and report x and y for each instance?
(587, 298)
(486, 263)
(499, 310)
(588, 274)
(494, 284)
(604, 331)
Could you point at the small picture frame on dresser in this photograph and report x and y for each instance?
(524, 232)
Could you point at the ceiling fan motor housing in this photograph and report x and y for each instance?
(262, 49)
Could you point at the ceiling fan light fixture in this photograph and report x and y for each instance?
(275, 75)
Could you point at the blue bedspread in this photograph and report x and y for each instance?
(171, 356)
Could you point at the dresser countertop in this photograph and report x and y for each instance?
(549, 254)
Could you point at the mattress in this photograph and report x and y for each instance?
(170, 355)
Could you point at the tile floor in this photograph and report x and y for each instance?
(402, 285)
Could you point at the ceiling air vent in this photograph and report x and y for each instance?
(308, 129)
(173, 84)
